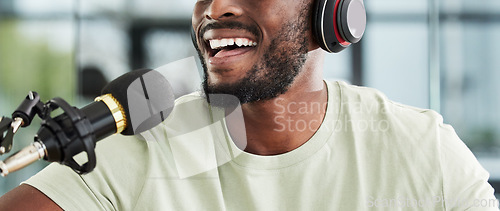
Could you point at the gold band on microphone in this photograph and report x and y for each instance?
(116, 110)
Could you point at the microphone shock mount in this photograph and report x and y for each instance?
(59, 138)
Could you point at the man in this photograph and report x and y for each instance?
(303, 144)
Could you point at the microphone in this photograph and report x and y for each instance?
(133, 103)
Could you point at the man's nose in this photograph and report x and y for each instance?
(221, 9)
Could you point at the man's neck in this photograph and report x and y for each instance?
(286, 122)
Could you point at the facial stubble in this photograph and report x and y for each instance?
(274, 73)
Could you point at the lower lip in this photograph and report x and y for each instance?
(228, 57)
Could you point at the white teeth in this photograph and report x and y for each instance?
(221, 43)
(239, 42)
(215, 44)
(245, 42)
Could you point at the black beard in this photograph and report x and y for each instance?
(274, 74)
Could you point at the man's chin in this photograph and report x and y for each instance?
(227, 77)
(226, 95)
(221, 94)
(216, 92)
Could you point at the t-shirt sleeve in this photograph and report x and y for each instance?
(465, 181)
(114, 184)
(66, 188)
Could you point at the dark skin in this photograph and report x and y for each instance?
(263, 134)
(26, 197)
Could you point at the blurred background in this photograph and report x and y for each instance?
(437, 54)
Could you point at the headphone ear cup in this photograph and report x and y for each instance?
(317, 23)
(325, 27)
(338, 23)
(351, 20)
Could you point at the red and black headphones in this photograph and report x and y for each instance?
(338, 23)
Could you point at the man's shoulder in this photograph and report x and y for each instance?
(372, 102)
(370, 114)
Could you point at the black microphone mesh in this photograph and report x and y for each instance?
(145, 95)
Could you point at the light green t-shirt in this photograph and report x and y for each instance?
(369, 153)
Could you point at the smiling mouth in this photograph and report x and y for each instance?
(229, 46)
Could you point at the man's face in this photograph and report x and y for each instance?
(252, 49)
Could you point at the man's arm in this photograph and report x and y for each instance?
(26, 197)
(465, 181)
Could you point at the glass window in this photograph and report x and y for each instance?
(36, 53)
(398, 55)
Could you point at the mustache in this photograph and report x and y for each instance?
(230, 25)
